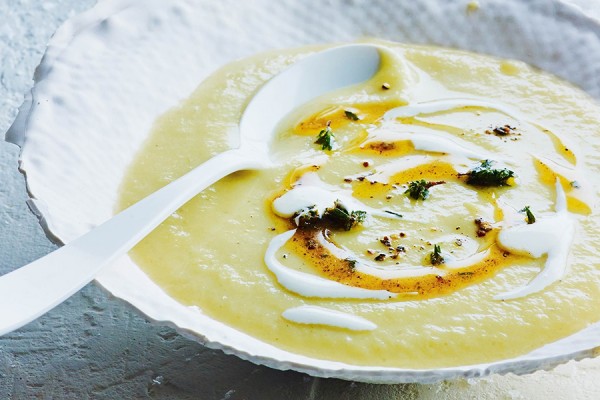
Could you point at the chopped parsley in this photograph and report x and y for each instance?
(485, 175)
(342, 218)
(436, 257)
(326, 138)
(351, 116)
(336, 217)
(530, 216)
(393, 213)
(420, 189)
(351, 263)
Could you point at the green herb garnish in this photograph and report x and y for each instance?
(326, 138)
(485, 175)
(530, 216)
(420, 189)
(393, 213)
(436, 257)
(351, 263)
(351, 116)
(336, 217)
(574, 184)
(341, 218)
(307, 215)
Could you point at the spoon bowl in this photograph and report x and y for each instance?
(32, 290)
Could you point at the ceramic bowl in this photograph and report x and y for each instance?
(109, 72)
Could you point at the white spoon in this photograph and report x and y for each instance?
(32, 290)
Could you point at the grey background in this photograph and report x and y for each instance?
(95, 346)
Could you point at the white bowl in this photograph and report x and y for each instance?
(109, 72)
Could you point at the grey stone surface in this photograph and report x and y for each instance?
(94, 346)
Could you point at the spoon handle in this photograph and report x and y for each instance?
(30, 291)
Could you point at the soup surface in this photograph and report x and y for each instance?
(442, 213)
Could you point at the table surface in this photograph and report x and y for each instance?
(96, 346)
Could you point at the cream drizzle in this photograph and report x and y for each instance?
(310, 193)
(432, 107)
(550, 235)
(425, 139)
(401, 270)
(325, 316)
(309, 285)
(435, 106)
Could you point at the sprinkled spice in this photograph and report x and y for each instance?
(501, 130)
(386, 241)
(311, 244)
(483, 227)
(382, 146)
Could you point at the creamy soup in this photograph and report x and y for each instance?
(442, 213)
